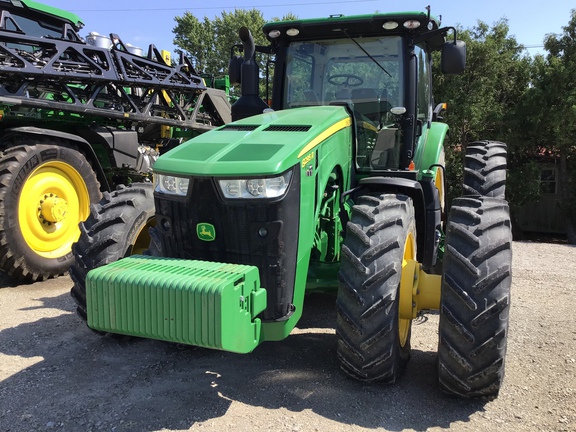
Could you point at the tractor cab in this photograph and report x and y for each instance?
(377, 66)
(340, 72)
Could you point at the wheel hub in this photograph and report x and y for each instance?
(53, 209)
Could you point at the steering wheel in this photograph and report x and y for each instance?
(350, 80)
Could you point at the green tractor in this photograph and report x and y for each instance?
(337, 184)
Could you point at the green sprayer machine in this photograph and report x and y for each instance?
(79, 117)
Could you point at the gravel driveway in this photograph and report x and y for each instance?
(55, 374)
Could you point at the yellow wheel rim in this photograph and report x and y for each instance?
(53, 201)
(409, 254)
(439, 181)
(143, 239)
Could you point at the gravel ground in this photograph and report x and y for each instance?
(55, 374)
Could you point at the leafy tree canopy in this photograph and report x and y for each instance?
(549, 110)
(208, 42)
(552, 96)
(483, 100)
(496, 76)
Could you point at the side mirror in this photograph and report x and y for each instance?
(234, 70)
(453, 60)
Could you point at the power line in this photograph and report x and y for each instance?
(242, 7)
(220, 7)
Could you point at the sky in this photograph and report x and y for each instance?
(143, 22)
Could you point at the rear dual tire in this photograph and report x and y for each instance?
(475, 304)
(485, 169)
(477, 277)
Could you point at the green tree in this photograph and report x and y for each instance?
(193, 37)
(550, 114)
(208, 42)
(482, 101)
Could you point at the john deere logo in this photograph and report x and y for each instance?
(206, 232)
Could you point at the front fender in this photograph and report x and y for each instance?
(431, 152)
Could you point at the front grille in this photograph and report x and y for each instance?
(237, 224)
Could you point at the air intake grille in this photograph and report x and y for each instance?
(287, 128)
(239, 128)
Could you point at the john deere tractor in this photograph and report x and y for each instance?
(337, 183)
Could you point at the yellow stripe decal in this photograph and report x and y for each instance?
(324, 135)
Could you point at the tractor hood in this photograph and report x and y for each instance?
(264, 144)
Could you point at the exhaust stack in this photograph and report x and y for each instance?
(249, 103)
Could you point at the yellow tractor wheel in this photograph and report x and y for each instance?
(373, 333)
(45, 192)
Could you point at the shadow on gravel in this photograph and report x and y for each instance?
(77, 380)
(6, 281)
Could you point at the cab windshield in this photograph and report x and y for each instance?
(366, 74)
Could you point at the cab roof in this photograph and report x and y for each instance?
(354, 25)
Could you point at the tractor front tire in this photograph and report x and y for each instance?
(373, 341)
(45, 192)
(485, 169)
(118, 226)
(475, 298)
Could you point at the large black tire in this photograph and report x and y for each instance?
(373, 343)
(475, 298)
(45, 192)
(485, 169)
(117, 227)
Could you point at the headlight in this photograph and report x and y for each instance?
(272, 187)
(170, 184)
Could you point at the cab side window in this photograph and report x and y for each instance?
(424, 84)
